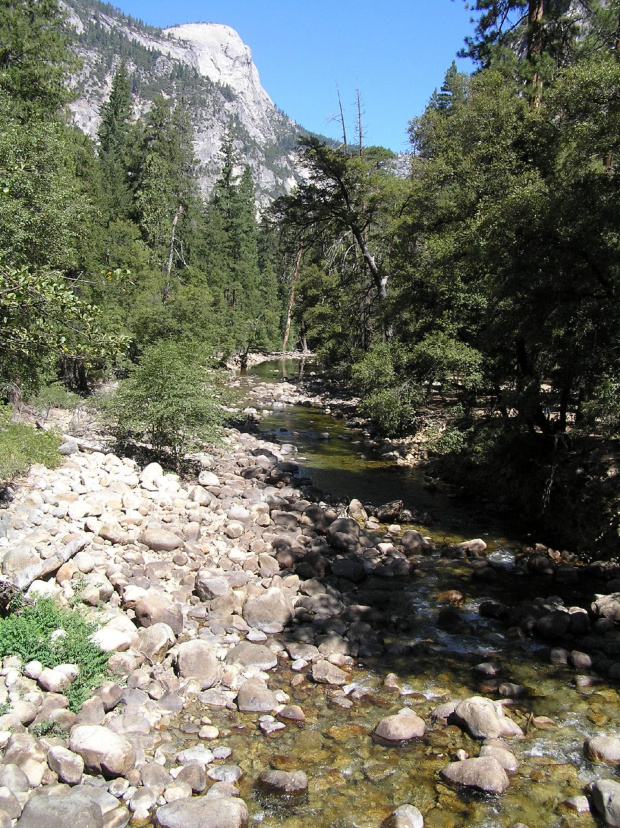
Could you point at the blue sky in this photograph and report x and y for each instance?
(396, 51)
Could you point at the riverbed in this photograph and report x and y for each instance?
(435, 656)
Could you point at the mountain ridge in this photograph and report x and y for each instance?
(209, 66)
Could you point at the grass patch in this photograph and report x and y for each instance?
(46, 632)
(21, 445)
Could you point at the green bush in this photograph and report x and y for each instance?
(46, 632)
(54, 395)
(21, 445)
(170, 400)
(388, 397)
(602, 413)
(390, 410)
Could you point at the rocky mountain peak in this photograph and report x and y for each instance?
(208, 65)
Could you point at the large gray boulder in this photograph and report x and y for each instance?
(157, 608)
(270, 612)
(197, 660)
(604, 749)
(283, 783)
(404, 726)
(606, 800)
(246, 654)
(255, 697)
(607, 606)
(161, 540)
(61, 811)
(483, 719)
(155, 641)
(102, 750)
(202, 812)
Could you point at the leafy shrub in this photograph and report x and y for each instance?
(388, 397)
(602, 413)
(440, 358)
(54, 395)
(448, 441)
(46, 632)
(390, 410)
(169, 400)
(21, 445)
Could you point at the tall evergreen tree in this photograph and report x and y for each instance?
(35, 60)
(113, 136)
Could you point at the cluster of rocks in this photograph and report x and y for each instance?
(584, 638)
(202, 590)
(189, 584)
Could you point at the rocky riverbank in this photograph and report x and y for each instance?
(274, 658)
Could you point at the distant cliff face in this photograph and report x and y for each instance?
(205, 63)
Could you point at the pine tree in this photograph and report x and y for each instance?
(113, 135)
(35, 60)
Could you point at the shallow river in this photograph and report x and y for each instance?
(355, 781)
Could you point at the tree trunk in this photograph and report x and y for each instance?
(536, 416)
(175, 220)
(535, 45)
(289, 312)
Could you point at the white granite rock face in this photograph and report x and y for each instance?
(218, 54)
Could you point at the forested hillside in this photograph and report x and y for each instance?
(107, 245)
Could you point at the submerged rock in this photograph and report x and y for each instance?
(403, 726)
(483, 773)
(283, 783)
(407, 816)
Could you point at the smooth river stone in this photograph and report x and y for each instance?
(161, 540)
(402, 727)
(203, 812)
(484, 774)
(102, 750)
(283, 783)
(603, 749)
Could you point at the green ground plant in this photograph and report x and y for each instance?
(21, 445)
(46, 632)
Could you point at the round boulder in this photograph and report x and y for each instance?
(255, 697)
(199, 812)
(605, 749)
(484, 774)
(404, 726)
(197, 660)
(246, 654)
(606, 801)
(269, 612)
(407, 816)
(60, 811)
(102, 750)
(283, 783)
(161, 540)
